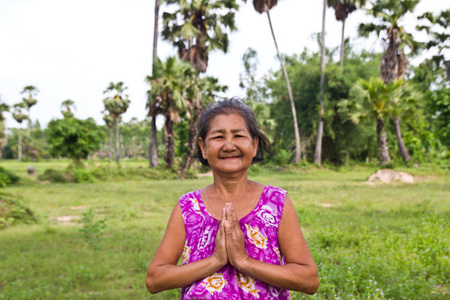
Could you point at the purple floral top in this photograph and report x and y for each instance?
(260, 229)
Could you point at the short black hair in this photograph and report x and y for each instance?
(226, 107)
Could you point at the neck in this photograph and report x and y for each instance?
(229, 185)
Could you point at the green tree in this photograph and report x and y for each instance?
(343, 140)
(438, 30)
(394, 62)
(116, 106)
(373, 99)
(167, 96)
(73, 138)
(29, 102)
(68, 105)
(19, 117)
(196, 28)
(262, 6)
(342, 8)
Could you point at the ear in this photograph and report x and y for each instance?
(202, 146)
(255, 142)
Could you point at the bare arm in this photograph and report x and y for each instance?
(299, 273)
(164, 273)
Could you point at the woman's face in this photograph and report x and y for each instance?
(228, 145)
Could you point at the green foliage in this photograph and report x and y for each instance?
(55, 176)
(92, 229)
(74, 138)
(281, 158)
(342, 139)
(13, 211)
(7, 178)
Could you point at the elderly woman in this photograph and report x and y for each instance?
(238, 238)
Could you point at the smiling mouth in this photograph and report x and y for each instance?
(230, 157)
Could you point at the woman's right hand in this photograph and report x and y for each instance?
(220, 253)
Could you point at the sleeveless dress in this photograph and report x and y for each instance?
(260, 229)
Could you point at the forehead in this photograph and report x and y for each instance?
(227, 122)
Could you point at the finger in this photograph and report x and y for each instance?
(233, 214)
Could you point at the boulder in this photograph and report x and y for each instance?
(388, 176)
(31, 170)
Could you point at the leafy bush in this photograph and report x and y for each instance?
(12, 211)
(282, 157)
(7, 177)
(54, 176)
(83, 175)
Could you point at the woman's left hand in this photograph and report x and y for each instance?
(234, 238)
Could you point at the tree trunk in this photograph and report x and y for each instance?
(29, 125)
(153, 157)
(297, 158)
(192, 136)
(318, 152)
(153, 148)
(155, 32)
(110, 144)
(383, 151)
(401, 145)
(169, 141)
(19, 146)
(117, 141)
(342, 44)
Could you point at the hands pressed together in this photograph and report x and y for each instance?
(230, 246)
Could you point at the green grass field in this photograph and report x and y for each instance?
(369, 242)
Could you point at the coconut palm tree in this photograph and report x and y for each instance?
(67, 105)
(109, 121)
(167, 96)
(19, 117)
(29, 102)
(196, 28)
(263, 6)
(373, 99)
(342, 8)
(318, 150)
(153, 148)
(116, 106)
(394, 62)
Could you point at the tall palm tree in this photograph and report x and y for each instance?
(342, 8)
(167, 96)
(394, 61)
(3, 137)
(196, 28)
(373, 99)
(68, 105)
(116, 106)
(153, 148)
(262, 6)
(19, 117)
(29, 102)
(109, 121)
(318, 150)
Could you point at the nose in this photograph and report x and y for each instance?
(229, 145)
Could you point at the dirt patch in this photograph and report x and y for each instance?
(67, 220)
(80, 207)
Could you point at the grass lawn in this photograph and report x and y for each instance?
(369, 242)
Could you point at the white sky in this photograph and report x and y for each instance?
(72, 49)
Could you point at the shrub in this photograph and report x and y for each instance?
(7, 177)
(54, 176)
(12, 211)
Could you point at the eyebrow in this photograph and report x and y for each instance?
(223, 130)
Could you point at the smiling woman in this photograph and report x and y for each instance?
(238, 239)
